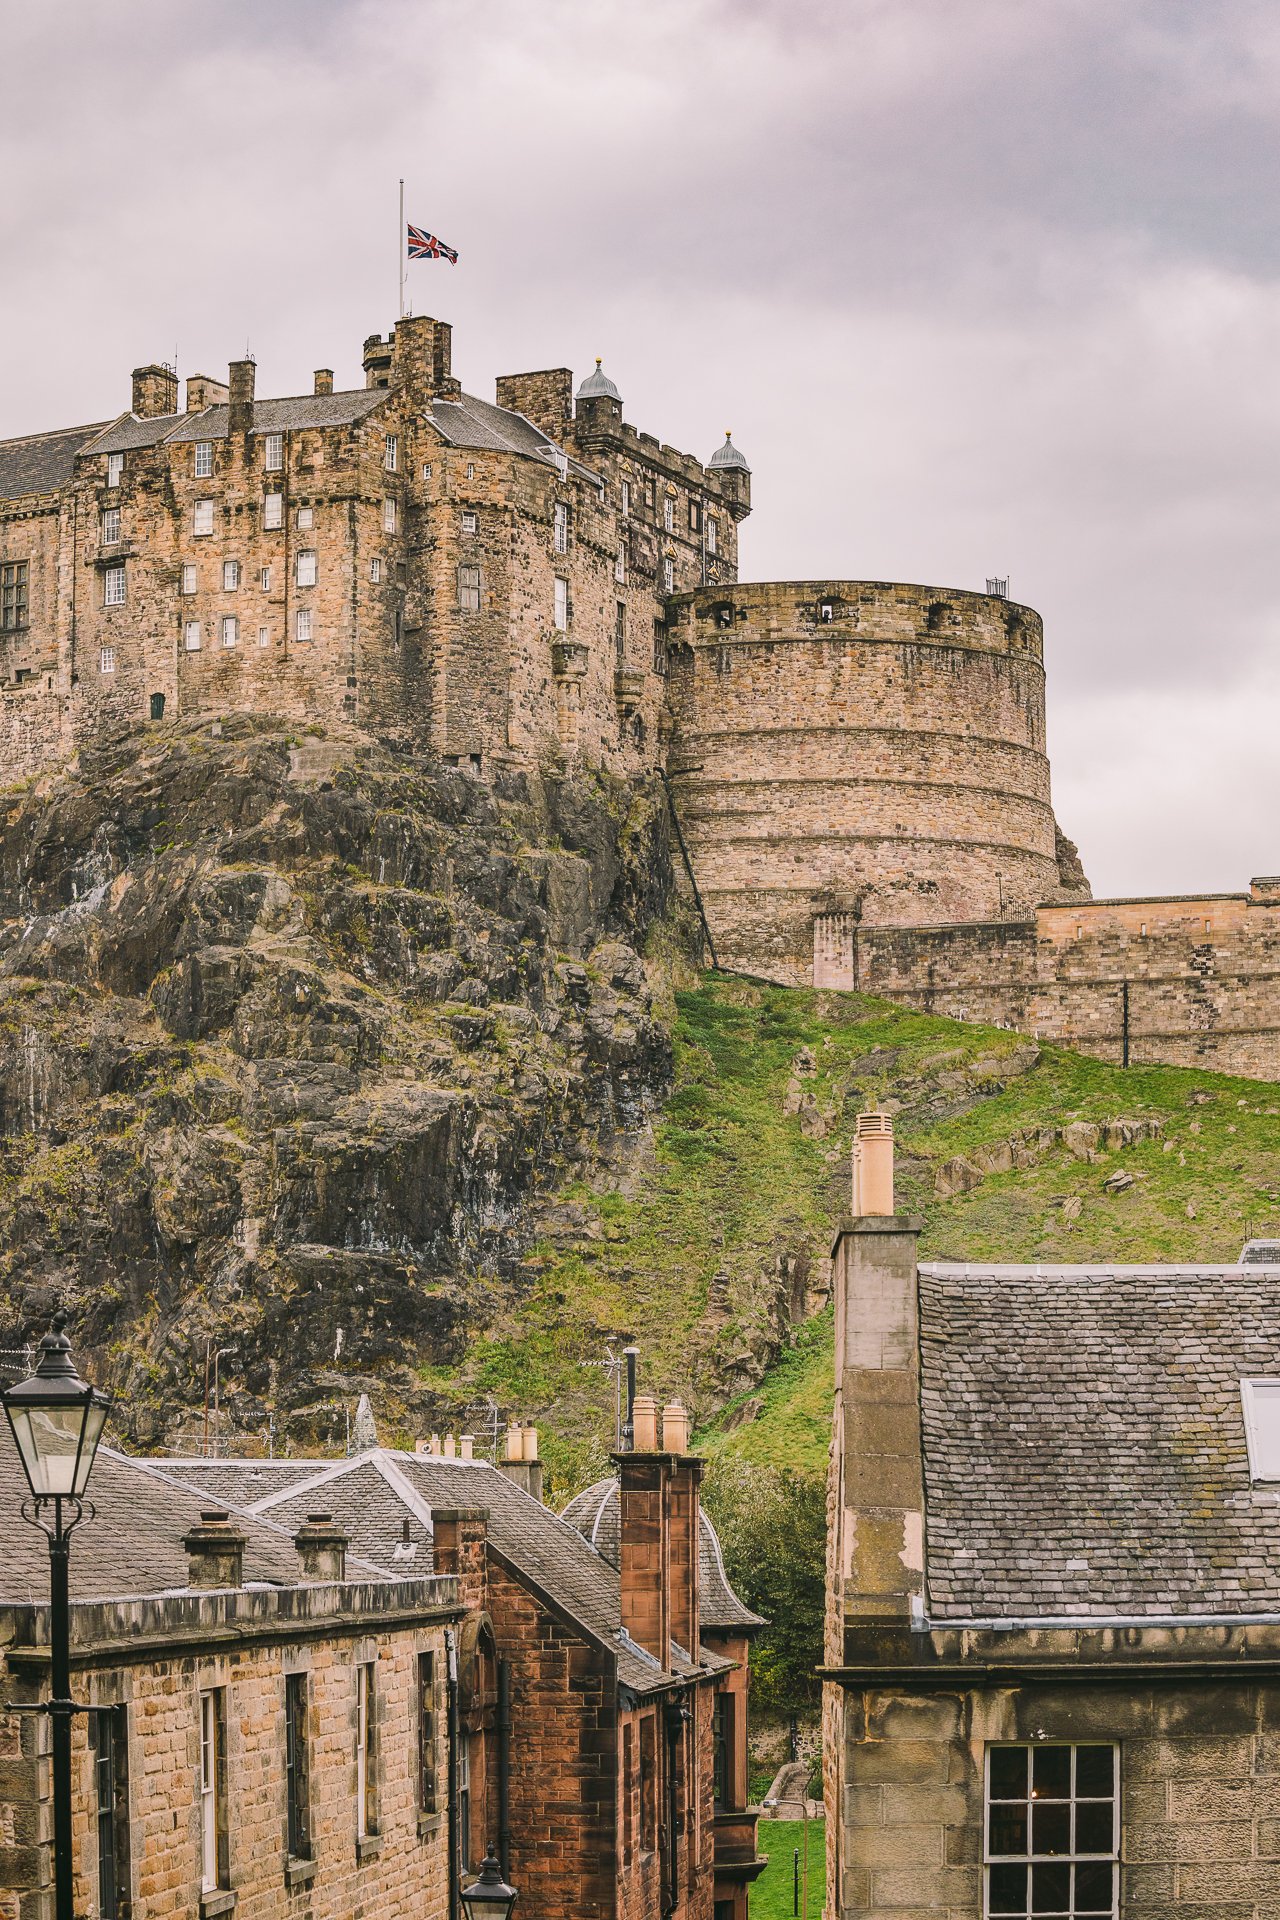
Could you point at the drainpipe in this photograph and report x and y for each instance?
(504, 1768)
(451, 1767)
(676, 1715)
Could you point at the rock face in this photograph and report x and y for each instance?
(291, 1037)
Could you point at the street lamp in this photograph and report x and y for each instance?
(489, 1897)
(57, 1419)
(787, 1800)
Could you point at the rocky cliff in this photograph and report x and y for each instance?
(295, 1039)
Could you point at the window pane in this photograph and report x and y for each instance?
(1051, 1889)
(1095, 1771)
(1095, 1889)
(1050, 1826)
(1051, 1772)
(1095, 1827)
(1009, 1773)
(1008, 1889)
(1007, 1827)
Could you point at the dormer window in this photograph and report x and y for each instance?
(1261, 1400)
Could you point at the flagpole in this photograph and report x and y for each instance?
(401, 250)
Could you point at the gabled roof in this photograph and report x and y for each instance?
(468, 422)
(1084, 1441)
(373, 1494)
(595, 1513)
(42, 462)
(214, 423)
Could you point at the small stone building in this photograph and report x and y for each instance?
(266, 1723)
(1053, 1657)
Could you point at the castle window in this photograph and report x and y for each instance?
(264, 579)
(1052, 1830)
(191, 636)
(712, 534)
(620, 564)
(669, 513)
(1143, 930)
(264, 636)
(213, 1791)
(306, 519)
(471, 470)
(471, 523)
(648, 494)
(272, 511)
(230, 630)
(306, 567)
(826, 612)
(1079, 933)
(391, 459)
(561, 527)
(188, 578)
(302, 625)
(668, 576)
(115, 469)
(626, 498)
(560, 613)
(13, 595)
(204, 516)
(659, 647)
(388, 516)
(273, 452)
(204, 459)
(375, 570)
(107, 660)
(427, 1775)
(426, 470)
(1208, 926)
(469, 589)
(366, 1753)
(157, 713)
(695, 516)
(111, 526)
(620, 632)
(113, 587)
(230, 576)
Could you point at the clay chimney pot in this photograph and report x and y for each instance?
(645, 1424)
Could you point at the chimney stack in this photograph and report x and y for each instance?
(324, 380)
(216, 1548)
(243, 373)
(684, 1509)
(204, 392)
(873, 1165)
(521, 1464)
(322, 1548)
(155, 392)
(659, 1523)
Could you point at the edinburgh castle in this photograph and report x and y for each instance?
(858, 769)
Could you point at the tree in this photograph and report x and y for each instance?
(772, 1523)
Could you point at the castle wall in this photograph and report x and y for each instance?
(855, 744)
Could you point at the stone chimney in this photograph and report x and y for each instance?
(422, 357)
(520, 1460)
(243, 373)
(322, 1548)
(684, 1508)
(204, 392)
(324, 380)
(216, 1547)
(459, 1545)
(545, 398)
(155, 392)
(873, 1164)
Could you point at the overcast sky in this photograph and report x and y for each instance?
(981, 286)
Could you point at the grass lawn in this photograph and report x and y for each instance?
(772, 1895)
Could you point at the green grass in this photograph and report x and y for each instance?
(772, 1896)
(698, 1256)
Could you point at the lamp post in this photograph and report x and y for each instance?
(787, 1800)
(489, 1897)
(57, 1419)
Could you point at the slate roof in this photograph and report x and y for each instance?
(133, 1545)
(468, 422)
(214, 423)
(594, 1512)
(372, 1494)
(41, 462)
(1084, 1440)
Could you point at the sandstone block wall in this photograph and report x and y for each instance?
(857, 745)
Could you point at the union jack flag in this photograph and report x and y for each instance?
(425, 246)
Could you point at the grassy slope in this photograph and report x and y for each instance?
(737, 1185)
(772, 1896)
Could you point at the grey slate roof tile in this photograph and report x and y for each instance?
(594, 1512)
(41, 462)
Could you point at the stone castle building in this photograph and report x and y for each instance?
(859, 768)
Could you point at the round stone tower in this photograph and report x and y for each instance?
(854, 751)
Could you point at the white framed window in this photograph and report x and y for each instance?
(115, 469)
(388, 516)
(188, 578)
(469, 589)
(712, 534)
(264, 579)
(264, 636)
(626, 498)
(106, 660)
(273, 452)
(366, 1753)
(306, 519)
(111, 526)
(213, 1792)
(272, 511)
(471, 523)
(426, 470)
(1261, 1401)
(391, 458)
(191, 636)
(113, 587)
(561, 607)
(668, 513)
(231, 576)
(620, 564)
(204, 517)
(1052, 1831)
(204, 459)
(668, 576)
(561, 527)
(305, 567)
(471, 469)
(375, 570)
(230, 630)
(302, 625)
